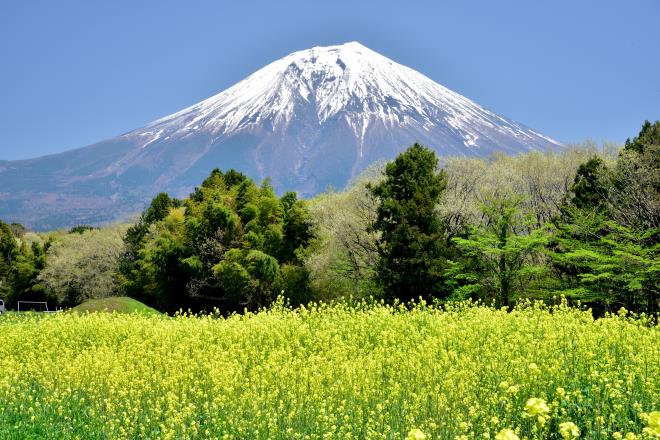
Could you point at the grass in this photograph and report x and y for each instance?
(326, 372)
(119, 304)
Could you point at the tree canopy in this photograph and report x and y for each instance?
(412, 243)
(231, 244)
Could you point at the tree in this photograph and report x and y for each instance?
(412, 242)
(8, 253)
(542, 179)
(79, 229)
(605, 245)
(163, 265)
(501, 258)
(647, 148)
(83, 265)
(134, 237)
(342, 258)
(589, 189)
(608, 264)
(634, 196)
(296, 228)
(647, 139)
(249, 277)
(221, 247)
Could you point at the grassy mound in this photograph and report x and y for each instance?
(119, 304)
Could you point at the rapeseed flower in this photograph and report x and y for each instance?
(652, 421)
(507, 434)
(415, 434)
(333, 371)
(538, 408)
(569, 430)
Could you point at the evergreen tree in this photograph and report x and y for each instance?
(8, 253)
(412, 242)
(129, 270)
(605, 245)
(80, 229)
(648, 137)
(607, 265)
(589, 190)
(297, 227)
(20, 263)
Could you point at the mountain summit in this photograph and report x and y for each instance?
(313, 119)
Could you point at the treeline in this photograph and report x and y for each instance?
(63, 268)
(22, 257)
(583, 224)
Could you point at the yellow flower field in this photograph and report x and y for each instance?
(372, 372)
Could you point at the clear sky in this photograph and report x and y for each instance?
(76, 72)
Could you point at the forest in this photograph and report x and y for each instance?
(581, 224)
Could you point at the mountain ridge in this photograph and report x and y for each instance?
(312, 119)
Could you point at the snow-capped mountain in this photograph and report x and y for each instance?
(313, 119)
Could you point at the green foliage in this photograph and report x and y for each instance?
(80, 229)
(163, 272)
(83, 265)
(502, 258)
(128, 268)
(8, 253)
(589, 191)
(159, 208)
(295, 284)
(116, 304)
(607, 264)
(604, 247)
(412, 243)
(21, 259)
(222, 248)
(342, 259)
(647, 139)
(296, 229)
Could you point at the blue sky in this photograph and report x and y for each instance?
(74, 73)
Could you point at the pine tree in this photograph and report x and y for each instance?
(412, 242)
(648, 137)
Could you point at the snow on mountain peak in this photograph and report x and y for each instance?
(349, 81)
(313, 119)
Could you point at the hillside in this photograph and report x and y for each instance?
(116, 304)
(311, 120)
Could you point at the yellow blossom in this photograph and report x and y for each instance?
(535, 407)
(330, 371)
(569, 430)
(415, 434)
(506, 434)
(652, 421)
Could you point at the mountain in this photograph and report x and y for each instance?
(311, 120)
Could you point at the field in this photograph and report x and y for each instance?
(373, 372)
